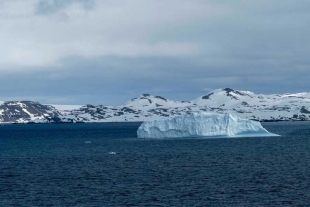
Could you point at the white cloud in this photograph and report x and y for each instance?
(95, 50)
(122, 28)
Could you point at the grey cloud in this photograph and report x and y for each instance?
(122, 50)
(45, 7)
(115, 80)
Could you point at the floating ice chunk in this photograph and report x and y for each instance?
(202, 124)
(112, 153)
(87, 142)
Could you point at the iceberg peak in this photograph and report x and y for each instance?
(202, 124)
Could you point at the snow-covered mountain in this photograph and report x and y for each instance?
(26, 111)
(245, 104)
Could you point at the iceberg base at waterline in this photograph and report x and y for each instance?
(203, 124)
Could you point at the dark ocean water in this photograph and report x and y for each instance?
(106, 165)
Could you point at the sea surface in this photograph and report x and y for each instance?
(106, 165)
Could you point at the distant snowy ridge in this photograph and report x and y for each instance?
(244, 104)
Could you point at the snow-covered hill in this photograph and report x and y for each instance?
(245, 104)
(27, 111)
(257, 106)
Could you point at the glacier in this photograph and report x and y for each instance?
(202, 124)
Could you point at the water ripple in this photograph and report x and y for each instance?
(50, 165)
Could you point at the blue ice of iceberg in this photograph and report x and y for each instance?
(203, 124)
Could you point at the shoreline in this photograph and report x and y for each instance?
(30, 123)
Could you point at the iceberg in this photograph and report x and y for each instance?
(203, 124)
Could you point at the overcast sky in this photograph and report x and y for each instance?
(109, 51)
